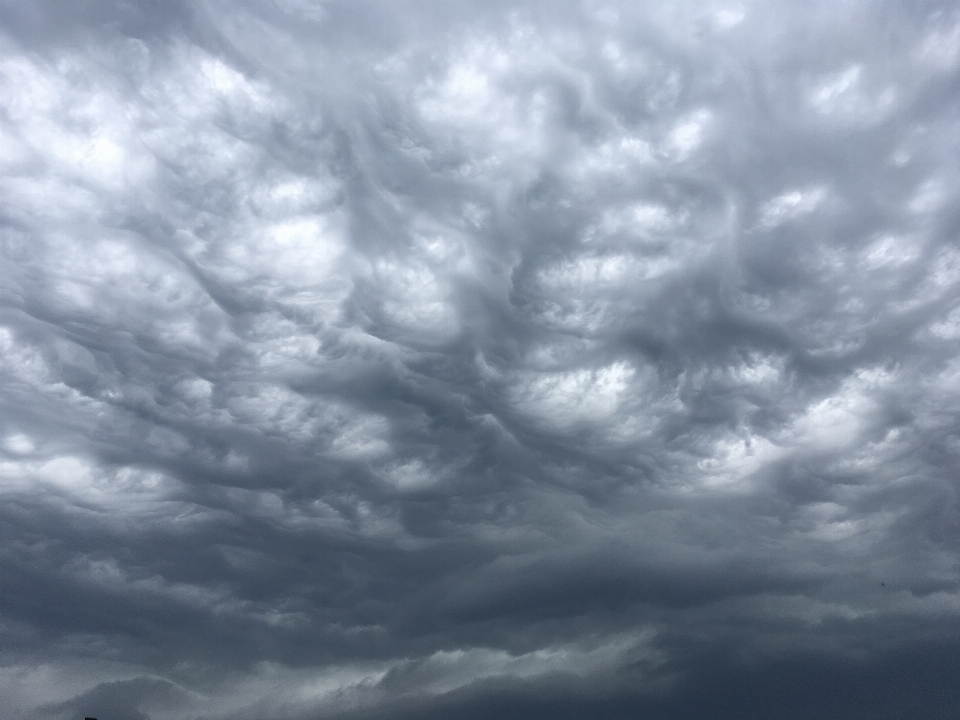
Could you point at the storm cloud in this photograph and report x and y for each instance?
(479, 359)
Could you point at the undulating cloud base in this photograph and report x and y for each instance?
(479, 359)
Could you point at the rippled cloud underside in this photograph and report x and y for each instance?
(369, 360)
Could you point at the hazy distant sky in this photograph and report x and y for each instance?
(420, 360)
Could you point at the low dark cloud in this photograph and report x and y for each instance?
(521, 359)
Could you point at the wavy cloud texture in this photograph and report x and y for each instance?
(421, 359)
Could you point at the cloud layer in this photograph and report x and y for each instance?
(416, 359)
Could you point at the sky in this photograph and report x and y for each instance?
(516, 359)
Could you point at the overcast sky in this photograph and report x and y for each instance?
(366, 360)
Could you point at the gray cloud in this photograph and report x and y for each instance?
(418, 359)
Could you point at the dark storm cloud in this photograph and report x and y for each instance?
(417, 359)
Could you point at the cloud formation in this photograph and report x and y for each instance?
(421, 359)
